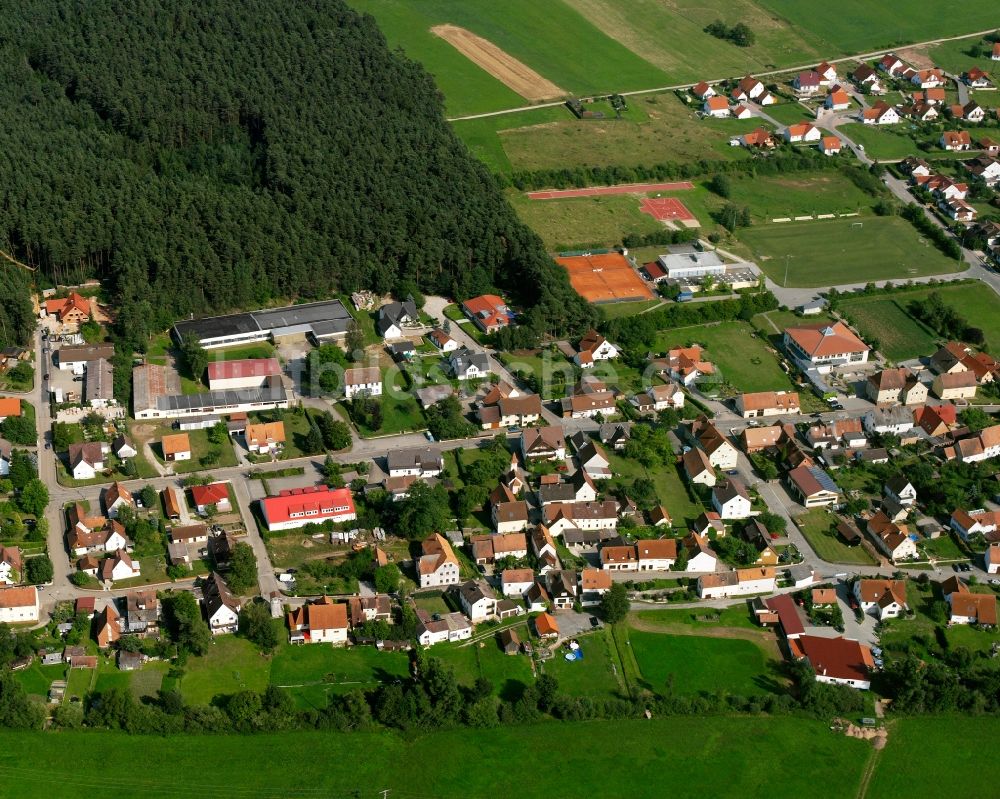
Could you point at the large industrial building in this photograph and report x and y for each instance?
(315, 321)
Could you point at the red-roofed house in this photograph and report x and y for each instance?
(300, 506)
(488, 312)
(830, 145)
(802, 132)
(214, 494)
(716, 107)
(702, 90)
(839, 661)
(71, 310)
(321, 622)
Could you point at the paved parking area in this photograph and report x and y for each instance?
(572, 623)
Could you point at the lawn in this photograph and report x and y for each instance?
(818, 527)
(37, 678)
(555, 374)
(661, 129)
(595, 675)
(201, 448)
(482, 136)
(856, 26)
(617, 310)
(692, 664)
(826, 192)
(838, 251)
(311, 672)
(899, 773)
(884, 320)
(743, 357)
(732, 616)
(724, 757)
(670, 487)
(884, 142)
(232, 664)
(551, 38)
(961, 55)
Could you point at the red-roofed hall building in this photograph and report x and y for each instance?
(825, 344)
(247, 373)
(300, 506)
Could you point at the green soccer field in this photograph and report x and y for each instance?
(844, 251)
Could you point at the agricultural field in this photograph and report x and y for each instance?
(840, 251)
(885, 318)
(818, 527)
(856, 26)
(898, 773)
(895, 142)
(553, 39)
(660, 128)
(743, 357)
(724, 757)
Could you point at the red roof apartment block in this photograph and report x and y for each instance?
(301, 506)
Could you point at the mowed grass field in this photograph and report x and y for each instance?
(552, 38)
(817, 526)
(887, 318)
(824, 192)
(722, 757)
(743, 357)
(854, 26)
(693, 664)
(836, 252)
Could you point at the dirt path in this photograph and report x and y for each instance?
(502, 66)
(771, 323)
(766, 640)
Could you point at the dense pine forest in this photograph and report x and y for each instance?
(230, 153)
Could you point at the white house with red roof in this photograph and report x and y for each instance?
(703, 90)
(212, 495)
(245, 373)
(825, 345)
(488, 312)
(594, 347)
(839, 661)
(297, 507)
(716, 107)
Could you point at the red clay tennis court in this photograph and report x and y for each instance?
(597, 191)
(667, 209)
(607, 277)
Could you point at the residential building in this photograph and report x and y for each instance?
(11, 565)
(142, 613)
(883, 599)
(767, 403)
(758, 536)
(979, 447)
(443, 341)
(802, 132)
(543, 443)
(593, 461)
(756, 580)
(520, 411)
(687, 365)
(813, 487)
(589, 405)
(703, 90)
(322, 621)
(594, 584)
(619, 558)
(6, 452)
(594, 347)
(87, 459)
(437, 564)
(807, 82)
(880, 113)
(961, 385)
(838, 661)
(76, 358)
(488, 312)
(715, 107)
(991, 558)
(122, 448)
(449, 627)
(936, 420)
(955, 140)
(243, 373)
(116, 496)
(894, 420)
(118, 566)
(562, 588)
(176, 447)
(189, 534)
(394, 317)
(546, 626)
(514, 582)
(107, 626)
(18, 604)
(698, 468)
(900, 490)
(825, 344)
(701, 558)
(966, 607)
(423, 463)
(363, 381)
(561, 516)
(890, 538)
(657, 554)
(71, 310)
(267, 438)
(468, 365)
(478, 600)
(731, 500)
(213, 495)
(222, 609)
(721, 453)
(296, 507)
(974, 522)
(893, 386)
(659, 397)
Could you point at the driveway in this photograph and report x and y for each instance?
(863, 631)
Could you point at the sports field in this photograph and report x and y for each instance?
(604, 278)
(719, 757)
(800, 194)
(844, 251)
(668, 209)
(600, 191)
(551, 38)
(886, 318)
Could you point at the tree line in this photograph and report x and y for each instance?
(232, 155)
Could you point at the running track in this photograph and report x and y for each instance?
(594, 191)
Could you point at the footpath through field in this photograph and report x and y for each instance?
(596, 191)
(766, 641)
